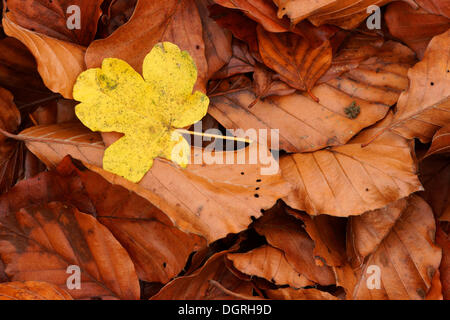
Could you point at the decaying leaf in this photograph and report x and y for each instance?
(269, 263)
(306, 125)
(353, 179)
(32, 290)
(407, 259)
(59, 62)
(425, 106)
(39, 244)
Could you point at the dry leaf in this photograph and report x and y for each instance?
(153, 22)
(407, 259)
(51, 18)
(286, 233)
(425, 106)
(39, 244)
(353, 179)
(198, 286)
(32, 290)
(406, 23)
(305, 125)
(59, 62)
(269, 263)
(299, 294)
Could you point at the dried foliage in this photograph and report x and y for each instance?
(349, 195)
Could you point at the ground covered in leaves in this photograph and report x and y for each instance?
(359, 208)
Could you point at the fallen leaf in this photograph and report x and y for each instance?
(269, 263)
(266, 84)
(218, 50)
(286, 234)
(59, 62)
(441, 142)
(435, 177)
(197, 286)
(328, 234)
(39, 244)
(262, 11)
(353, 179)
(424, 107)
(440, 7)
(406, 23)
(407, 259)
(293, 58)
(299, 294)
(150, 108)
(367, 231)
(305, 125)
(153, 22)
(18, 73)
(51, 18)
(32, 290)
(443, 240)
(346, 14)
(158, 250)
(11, 155)
(205, 199)
(51, 143)
(241, 62)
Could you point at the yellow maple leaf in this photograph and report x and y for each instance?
(146, 109)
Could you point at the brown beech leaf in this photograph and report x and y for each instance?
(407, 257)
(443, 240)
(266, 84)
(242, 61)
(351, 178)
(11, 152)
(269, 263)
(435, 177)
(51, 18)
(286, 233)
(262, 11)
(158, 249)
(40, 242)
(32, 290)
(293, 58)
(367, 231)
(218, 50)
(425, 107)
(407, 24)
(177, 21)
(209, 200)
(51, 143)
(9, 115)
(59, 62)
(299, 294)
(298, 10)
(199, 286)
(328, 234)
(305, 125)
(18, 72)
(347, 14)
(441, 142)
(440, 7)
(355, 49)
(242, 28)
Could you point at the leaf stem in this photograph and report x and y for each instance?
(213, 135)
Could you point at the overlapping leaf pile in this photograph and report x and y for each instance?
(364, 175)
